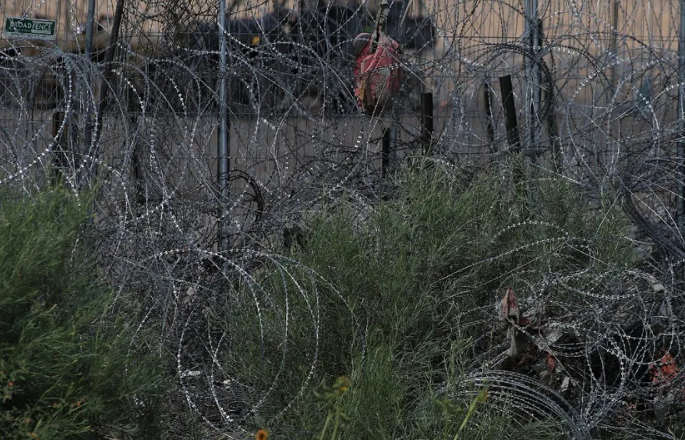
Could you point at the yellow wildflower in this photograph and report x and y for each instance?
(342, 384)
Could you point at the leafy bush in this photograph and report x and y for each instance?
(70, 366)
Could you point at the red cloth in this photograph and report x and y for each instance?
(378, 74)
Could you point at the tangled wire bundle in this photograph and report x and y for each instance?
(594, 89)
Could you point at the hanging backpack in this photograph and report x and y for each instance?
(377, 71)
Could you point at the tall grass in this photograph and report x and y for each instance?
(401, 300)
(404, 302)
(70, 365)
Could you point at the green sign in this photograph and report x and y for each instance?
(29, 28)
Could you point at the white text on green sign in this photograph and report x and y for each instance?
(30, 28)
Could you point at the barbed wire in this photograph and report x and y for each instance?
(596, 101)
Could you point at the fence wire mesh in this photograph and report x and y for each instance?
(596, 86)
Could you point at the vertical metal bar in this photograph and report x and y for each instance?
(539, 42)
(613, 48)
(490, 126)
(528, 70)
(614, 126)
(223, 132)
(89, 28)
(88, 133)
(404, 16)
(510, 112)
(385, 154)
(427, 121)
(59, 147)
(107, 81)
(547, 97)
(393, 141)
(58, 30)
(386, 145)
(67, 23)
(532, 73)
(537, 82)
(681, 117)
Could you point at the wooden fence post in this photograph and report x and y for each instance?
(385, 153)
(510, 112)
(487, 95)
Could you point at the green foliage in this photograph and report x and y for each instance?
(69, 366)
(392, 290)
(331, 397)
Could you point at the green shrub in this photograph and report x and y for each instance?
(396, 289)
(70, 367)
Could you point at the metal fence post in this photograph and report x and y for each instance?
(510, 113)
(223, 133)
(106, 83)
(88, 132)
(533, 99)
(680, 215)
(427, 122)
(490, 125)
(60, 161)
(385, 153)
